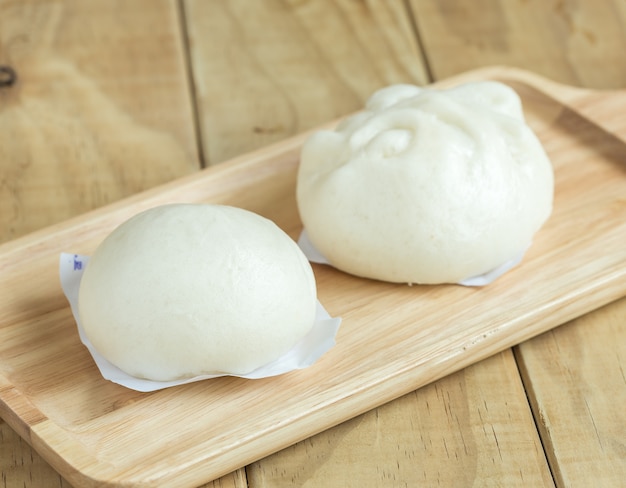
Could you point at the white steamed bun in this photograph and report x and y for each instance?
(426, 186)
(183, 290)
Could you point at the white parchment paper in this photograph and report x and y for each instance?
(315, 256)
(314, 345)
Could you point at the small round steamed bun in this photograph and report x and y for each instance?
(189, 289)
(426, 186)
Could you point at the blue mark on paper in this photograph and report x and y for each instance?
(78, 264)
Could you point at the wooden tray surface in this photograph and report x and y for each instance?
(393, 339)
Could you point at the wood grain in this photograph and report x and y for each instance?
(39, 340)
(264, 71)
(105, 109)
(453, 432)
(575, 379)
(579, 43)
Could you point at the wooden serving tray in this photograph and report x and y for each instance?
(393, 339)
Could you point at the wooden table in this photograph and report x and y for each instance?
(111, 98)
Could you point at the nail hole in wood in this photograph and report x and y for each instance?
(8, 76)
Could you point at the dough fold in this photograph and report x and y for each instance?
(426, 186)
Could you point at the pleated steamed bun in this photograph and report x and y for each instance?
(426, 186)
(184, 290)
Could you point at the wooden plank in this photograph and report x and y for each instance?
(100, 108)
(575, 379)
(264, 71)
(580, 43)
(21, 466)
(453, 432)
(204, 429)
